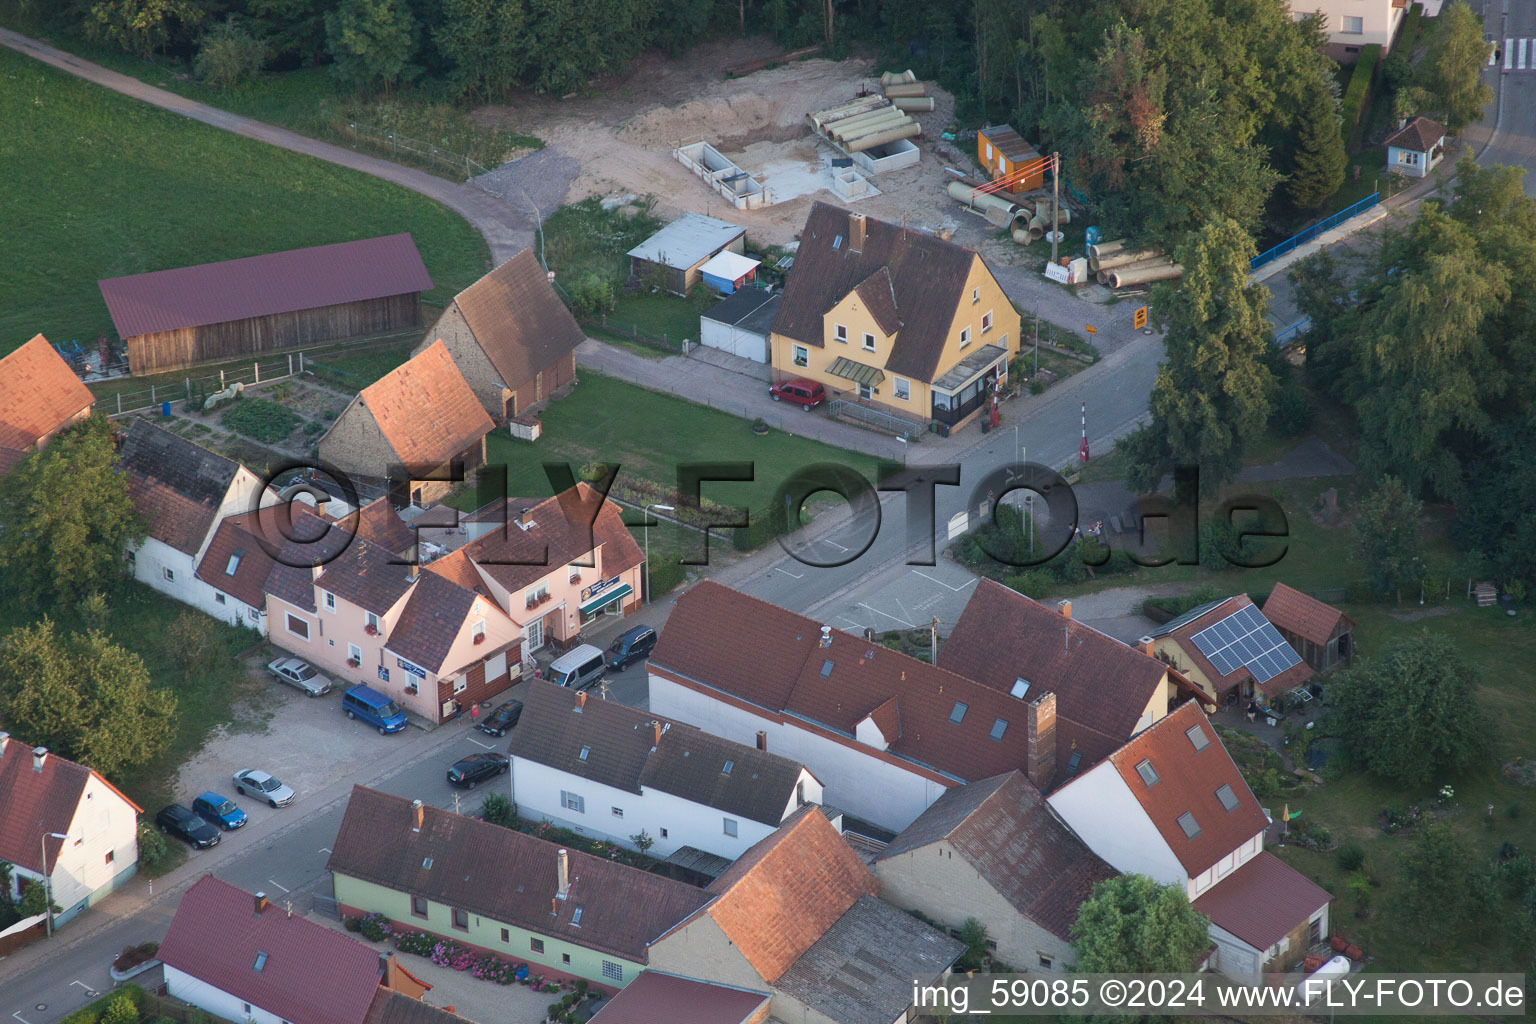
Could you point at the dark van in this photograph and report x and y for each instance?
(630, 646)
(374, 708)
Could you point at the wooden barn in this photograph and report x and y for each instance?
(1320, 633)
(171, 319)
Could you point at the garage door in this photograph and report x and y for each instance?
(728, 339)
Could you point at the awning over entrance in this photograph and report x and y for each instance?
(607, 598)
(967, 370)
(842, 366)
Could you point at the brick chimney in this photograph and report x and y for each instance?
(39, 758)
(655, 734)
(261, 903)
(581, 700)
(524, 517)
(1064, 606)
(826, 636)
(1145, 643)
(855, 232)
(762, 740)
(1040, 728)
(417, 813)
(563, 873)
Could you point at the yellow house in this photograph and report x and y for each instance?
(894, 319)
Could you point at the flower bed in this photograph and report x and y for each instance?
(375, 927)
(417, 943)
(448, 953)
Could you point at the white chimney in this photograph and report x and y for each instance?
(826, 636)
(39, 758)
(5, 738)
(563, 873)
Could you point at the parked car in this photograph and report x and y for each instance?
(262, 785)
(630, 646)
(503, 718)
(578, 668)
(176, 820)
(476, 768)
(374, 708)
(219, 810)
(805, 393)
(298, 673)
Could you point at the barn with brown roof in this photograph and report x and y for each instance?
(996, 851)
(172, 319)
(420, 420)
(1320, 633)
(894, 319)
(39, 396)
(511, 337)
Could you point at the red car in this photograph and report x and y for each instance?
(807, 394)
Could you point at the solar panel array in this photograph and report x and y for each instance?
(1245, 639)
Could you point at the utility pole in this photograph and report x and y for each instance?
(1037, 344)
(1055, 215)
(933, 640)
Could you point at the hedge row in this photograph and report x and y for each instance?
(1357, 94)
(1410, 32)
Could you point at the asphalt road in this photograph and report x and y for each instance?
(1512, 114)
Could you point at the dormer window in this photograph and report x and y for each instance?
(1147, 772)
(957, 713)
(576, 917)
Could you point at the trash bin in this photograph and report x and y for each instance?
(943, 429)
(165, 408)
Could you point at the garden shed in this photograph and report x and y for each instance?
(679, 251)
(171, 319)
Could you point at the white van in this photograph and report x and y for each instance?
(578, 668)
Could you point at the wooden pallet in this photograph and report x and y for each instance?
(1485, 594)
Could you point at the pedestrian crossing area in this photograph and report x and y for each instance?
(1515, 54)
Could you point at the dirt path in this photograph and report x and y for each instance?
(505, 229)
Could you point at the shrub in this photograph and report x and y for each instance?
(1350, 857)
(1514, 809)
(375, 927)
(152, 847)
(229, 55)
(447, 953)
(261, 420)
(1357, 93)
(121, 1010)
(352, 924)
(590, 295)
(490, 967)
(415, 943)
(498, 810)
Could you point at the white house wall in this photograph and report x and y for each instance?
(862, 784)
(536, 790)
(1106, 815)
(152, 559)
(1225, 866)
(1234, 957)
(199, 993)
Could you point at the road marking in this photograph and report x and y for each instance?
(903, 608)
(282, 887)
(487, 746)
(90, 993)
(1509, 54)
(1520, 61)
(941, 583)
(888, 615)
(792, 575)
(856, 624)
(19, 1017)
(835, 544)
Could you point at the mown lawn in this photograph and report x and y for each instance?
(99, 185)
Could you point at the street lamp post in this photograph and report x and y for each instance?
(646, 527)
(47, 884)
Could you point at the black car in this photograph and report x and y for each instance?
(176, 820)
(503, 718)
(630, 646)
(476, 768)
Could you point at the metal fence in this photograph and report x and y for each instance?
(1303, 237)
(625, 329)
(156, 395)
(395, 144)
(875, 418)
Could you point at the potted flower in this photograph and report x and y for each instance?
(479, 638)
(371, 629)
(355, 662)
(533, 601)
(411, 689)
(546, 597)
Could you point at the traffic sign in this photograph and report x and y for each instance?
(1140, 319)
(1092, 329)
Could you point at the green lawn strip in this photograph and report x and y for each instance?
(353, 371)
(204, 702)
(119, 187)
(662, 314)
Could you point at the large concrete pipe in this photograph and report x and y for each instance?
(911, 89)
(863, 106)
(1122, 258)
(915, 103)
(1104, 274)
(854, 125)
(898, 77)
(1123, 276)
(864, 142)
(1101, 249)
(1022, 236)
(875, 128)
(982, 200)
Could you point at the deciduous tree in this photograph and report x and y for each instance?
(1452, 73)
(83, 697)
(68, 520)
(143, 27)
(1410, 715)
(372, 42)
(1133, 924)
(484, 41)
(1387, 537)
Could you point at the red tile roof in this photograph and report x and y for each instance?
(425, 408)
(518, 320)
(1184, 628)
(784, 893)
(506, 876)
(563, 531)
(237, 536)
(1102, 686)
(279, 282)
(1015, 841)
(1263, 900)
(437, 611)
(34, 803)
(1187, 783)
(775, 660)
(1292, 611)
(655, 998)
(378, 522)
(309, 974)
(1420, 135)
(39, 393)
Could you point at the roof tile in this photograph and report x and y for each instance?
(176, 485)
(657, 998)
(1262, 901)
(425, 408)
(1290, 610)
(39, 393)
(518, 320)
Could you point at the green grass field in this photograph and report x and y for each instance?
(99, 185)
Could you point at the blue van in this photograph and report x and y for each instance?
(374, 708)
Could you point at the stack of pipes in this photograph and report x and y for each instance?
(864, 124)
(905, 92)
(1119, 266)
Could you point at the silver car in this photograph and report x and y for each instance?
(299, 673)
(263, 786)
